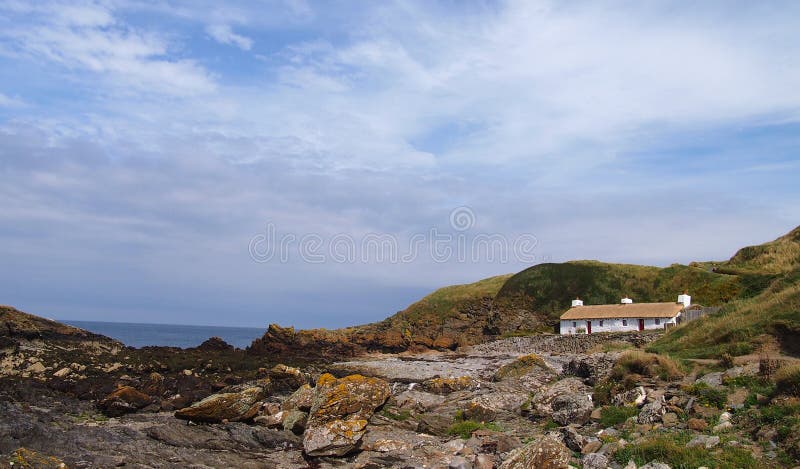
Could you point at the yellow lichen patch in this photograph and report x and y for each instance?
(448, 385)
(326, 378)
(29, 459)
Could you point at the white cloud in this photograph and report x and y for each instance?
(224, 34)
(88, 38)
(7, 101)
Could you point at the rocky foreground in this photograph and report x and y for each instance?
(72, 399)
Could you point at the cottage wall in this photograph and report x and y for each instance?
(611, 325)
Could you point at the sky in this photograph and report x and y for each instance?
(326, 164)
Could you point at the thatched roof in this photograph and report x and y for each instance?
(634, 310)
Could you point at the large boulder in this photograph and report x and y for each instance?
(592, 368)
(286, 378)
(546, 453)
(651, 412)
(340, 411)
(234, 404)
(450, 384)
(564, 393)
(124, 400)
(572, 408)
(301, 399)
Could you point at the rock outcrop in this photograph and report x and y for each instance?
(340, 411)
(546, 453)
(235, 404)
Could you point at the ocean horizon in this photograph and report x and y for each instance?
(168, 335)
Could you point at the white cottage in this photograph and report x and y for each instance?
(622, 317)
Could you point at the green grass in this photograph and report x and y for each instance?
(401, 416)
(671, 449)
(707, 395)
(464, 428)
(737, 327)
(613, 415)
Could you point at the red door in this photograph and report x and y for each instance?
(641, 324)
(589, 327)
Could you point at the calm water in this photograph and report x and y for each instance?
(140, 335)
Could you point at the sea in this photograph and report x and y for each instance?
(168, 335)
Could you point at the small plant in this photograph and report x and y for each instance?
(646, 364)
(672, 450)
(464, 428)
(612, 415)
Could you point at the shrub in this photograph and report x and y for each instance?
(707, 395)
(672, 450)
(787, 380)
(610, 416)
(401, 416)
(646, 364)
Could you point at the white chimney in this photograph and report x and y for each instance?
(685, 299)
(626, 301)
(577, 302)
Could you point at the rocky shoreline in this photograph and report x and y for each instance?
(72, 399)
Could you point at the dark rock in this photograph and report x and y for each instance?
(214, 344)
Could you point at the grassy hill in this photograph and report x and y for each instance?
(747, 324)
(757, 288)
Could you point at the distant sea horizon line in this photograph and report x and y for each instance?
(137, 335)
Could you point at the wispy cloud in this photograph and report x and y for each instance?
(224, 34)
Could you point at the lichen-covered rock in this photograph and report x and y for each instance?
(340, 411)
(632, 397)
(237, 403)
(302, 399)
(594, 461)
(28, 459)
(564, 390)
(592, 368)
(546, 453)
(651, 412)
(448, 385)
(124, 400)
(519, 367)
(572, 408)
(334, 438)
(295, 421)
(286, 378)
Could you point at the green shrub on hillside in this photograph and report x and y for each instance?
(787, 380)
(671, 450)
(707, 395)
(613, 415)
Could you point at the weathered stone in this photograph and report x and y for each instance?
(295, 421)
(574, 440)
(286, 378)
(271, 420)
(301, 399)
(448, 385)
(542, 401)
(591, 446)
(670, 419)
(485, 461)
(489, 441)
(594, 461)
(123, 400)
(635, 396)
(418, 401)
(459, 462)
(572, 408)
(712, 379)
(29, 459)
(240, 403)
(334, 438)
(651, 413)
(545, 453)
(705, 441)
(592, 368)
(62, 373)
(340, 411)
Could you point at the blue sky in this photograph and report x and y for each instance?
(143, 145)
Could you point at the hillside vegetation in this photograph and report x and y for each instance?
(757, 288)
(748, 324)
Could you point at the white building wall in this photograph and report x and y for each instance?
(611, 325)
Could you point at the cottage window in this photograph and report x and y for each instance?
(624, 322)
(658, 321)
(601, 323)
(574, 324)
